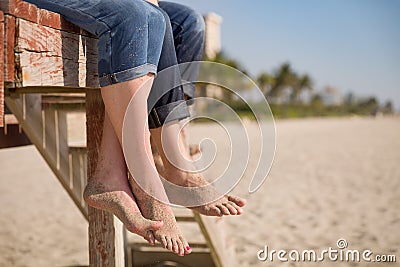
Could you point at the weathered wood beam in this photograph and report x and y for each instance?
(19, 8)
(105, 235)
(27, 11)
(1, 69)
(48, 56)
(212, 229)
(9, 44)
(47, 89)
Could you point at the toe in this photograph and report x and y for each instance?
(185, 245)
(169, 244)
(181, 249)
(216, 211)
(175, 246)
(223, 209)
(163, 241)
(150, 238)
(238, 209)
(231, 209)
(143, 227)
(212, 210)
(237, 200)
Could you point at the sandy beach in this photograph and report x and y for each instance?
(332, 178)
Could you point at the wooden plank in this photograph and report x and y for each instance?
(27, 11)
(10, 119)
(76, 122)
(19, 8)
(89, 45)
(78, 174)
(64, 103)
(47, 56)
(9, 44)
(50, 19)
(49, 136)
(56, 21)
(212, 229)
(183, 214)
(145, 255)
(1, 69)
(103, 248)
(47, 89)
(63, 149)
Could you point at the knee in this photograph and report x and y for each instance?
(196, 23)
(164, 15)
(157, 20)
(165, 20)
(140, 15)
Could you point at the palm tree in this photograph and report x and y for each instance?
(284, 78)
(265, 81)
(388, 108)
(227, 76)
(301, 83)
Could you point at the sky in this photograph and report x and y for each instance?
(352, 45)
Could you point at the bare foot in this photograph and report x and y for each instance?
(224, 205)
(165, 139)
(169, 234)
(112, 194)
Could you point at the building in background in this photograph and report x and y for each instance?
(212, 47)
(331, 96)
(213, 35)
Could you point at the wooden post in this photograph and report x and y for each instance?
(105, 233)
(1, 69)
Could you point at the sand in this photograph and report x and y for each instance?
(332, 178)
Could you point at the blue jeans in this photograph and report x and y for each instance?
(188, 30)
(183, 42)
(135, 38)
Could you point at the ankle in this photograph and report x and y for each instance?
(108, 176)
(183, 166)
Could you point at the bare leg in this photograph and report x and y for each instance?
(178, 154)
(116, 99)
(109, 189)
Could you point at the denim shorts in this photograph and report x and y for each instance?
(130, 32)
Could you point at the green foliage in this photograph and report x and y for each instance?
(265, 81)
(285, 78)
(224, 59)
(387, 108)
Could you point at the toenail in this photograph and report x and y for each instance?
(188, 248)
